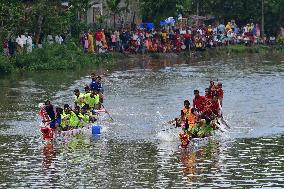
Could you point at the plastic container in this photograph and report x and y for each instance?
(96, 129)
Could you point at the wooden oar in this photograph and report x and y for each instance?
(107, 112)
(225, 123)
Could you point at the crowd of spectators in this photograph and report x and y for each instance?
(26, 42)
(169, 39)
(177, 39)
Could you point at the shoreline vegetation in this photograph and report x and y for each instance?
(70, 56)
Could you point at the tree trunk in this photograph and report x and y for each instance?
(114, 21)
(262, 18)
(133, 20)
(197, 8)
(39, 27)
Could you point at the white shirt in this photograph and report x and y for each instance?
(29, 41)
(182, 31)
(19, 41)
(24, 39)
(57, 39)
(60, 40)
(135, 37)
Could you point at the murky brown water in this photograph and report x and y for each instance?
(140, 96)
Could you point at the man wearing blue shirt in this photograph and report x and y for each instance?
(93, 82)
(96, 84)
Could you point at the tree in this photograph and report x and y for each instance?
(154, 11)
(113, 6)
(184, 7)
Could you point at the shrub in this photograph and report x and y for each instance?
(5, 64)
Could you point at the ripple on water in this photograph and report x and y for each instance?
(131, 154)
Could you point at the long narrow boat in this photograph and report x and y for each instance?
(175, 130)
(201, 141)
(90, 129)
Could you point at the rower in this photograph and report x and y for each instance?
(92, 99)
(59, 111)
(221, 93)
(65, 117)
(87, 89)
(93, 82)
(75, 117)
(215, 106)
(78, 98)
(188, 117)
(211, 84)
(51, 112)
(208, 95)
(97, 84)
(198, 101)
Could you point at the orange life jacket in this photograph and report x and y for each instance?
(188, 115)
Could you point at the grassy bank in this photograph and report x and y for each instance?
(233, 50)
(52, 57)
(69, 56)
(223, 51)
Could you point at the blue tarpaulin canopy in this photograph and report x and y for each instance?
(168, 21)
(148, 25)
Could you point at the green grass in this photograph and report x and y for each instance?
(52, 57)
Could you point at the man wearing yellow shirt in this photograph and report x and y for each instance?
(92, 99)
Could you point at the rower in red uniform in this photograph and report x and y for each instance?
(215, 105)
(208, 95)
(211, 84)
(221, 93)
(198, 101)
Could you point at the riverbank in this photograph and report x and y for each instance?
(52, 57)
(69, 56)
(231, 50)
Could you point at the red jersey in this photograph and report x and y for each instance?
(198, 102)
(208, 97)
(98, 36)
(215, 105)
(221, 93)
(187, 36)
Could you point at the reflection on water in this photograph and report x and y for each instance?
(116, 163)
(140, 96)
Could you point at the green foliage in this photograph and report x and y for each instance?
(51, 57)
(157, 10)
(243, 11)
(5, 65)
(115, 8)
(37, 16)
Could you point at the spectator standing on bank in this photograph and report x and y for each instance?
(20, 45)
(91, 48)
(29, 44)
(40, 40)
(50, 39)
(12, 45)
(6, 47)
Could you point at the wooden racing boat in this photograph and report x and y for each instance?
(50, 134)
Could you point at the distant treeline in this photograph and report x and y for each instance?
(242, 11)
(36, 16)
(53, 17)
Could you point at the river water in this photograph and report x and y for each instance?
(135, 151)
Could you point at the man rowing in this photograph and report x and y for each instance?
(220, 93)
(198, 101)
(92, 100)
(78, 98)
(188, 117)
(51, 112)
(97, 85)
(202, 119)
